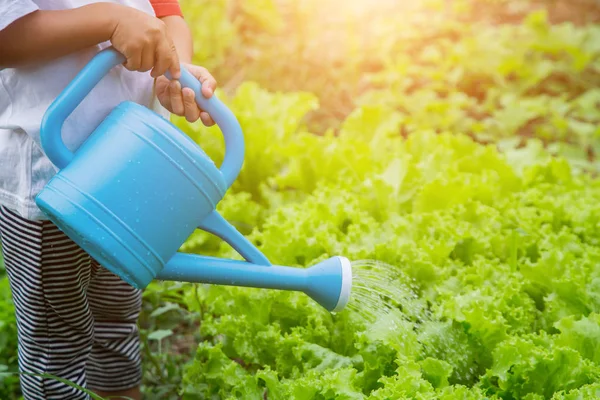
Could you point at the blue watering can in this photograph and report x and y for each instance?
(138, 187)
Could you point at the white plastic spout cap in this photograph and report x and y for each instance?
(346, 285)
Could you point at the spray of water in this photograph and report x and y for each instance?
(382, 292)
(386, 301)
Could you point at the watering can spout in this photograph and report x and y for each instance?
(328, 283)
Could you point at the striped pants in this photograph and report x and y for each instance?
(75, 319)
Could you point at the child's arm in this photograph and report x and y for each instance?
(45, 35)
(170, 12)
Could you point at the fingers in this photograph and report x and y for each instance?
(209, 83)
(166, 60)
(176, 98)
(147, 59)
(182, 101)
(134, 62)
(158, 59)
(162, 91)
(162, 63)
(206, 119)
(192, 112)
(174, 67)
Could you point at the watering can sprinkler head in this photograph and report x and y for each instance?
(330, 283)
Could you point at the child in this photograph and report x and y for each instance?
(75, 319)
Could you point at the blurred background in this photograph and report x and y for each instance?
(493, 69)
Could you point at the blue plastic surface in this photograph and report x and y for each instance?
(68, 100)
(224, 118)
(322, 282)
(218, 226)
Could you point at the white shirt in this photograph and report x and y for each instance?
(26, 93)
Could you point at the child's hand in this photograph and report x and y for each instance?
(182, 102)
(144, 41)
(146, 44)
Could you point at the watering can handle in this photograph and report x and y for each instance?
(88, 78)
